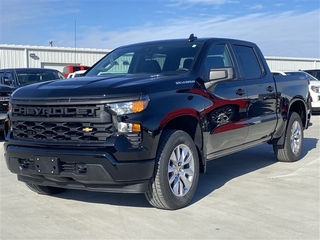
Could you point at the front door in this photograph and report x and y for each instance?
(227, 116)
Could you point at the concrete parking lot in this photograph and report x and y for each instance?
(247, 195)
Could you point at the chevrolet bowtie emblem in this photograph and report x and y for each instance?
(87, 129)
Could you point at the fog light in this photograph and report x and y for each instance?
(128, 127)
(136, 127)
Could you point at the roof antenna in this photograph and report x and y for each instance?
(192, 38)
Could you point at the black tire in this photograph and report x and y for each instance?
(45, 190)
(173, 187)
(290, 151)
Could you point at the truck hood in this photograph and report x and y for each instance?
(6, 88)
(113, 86)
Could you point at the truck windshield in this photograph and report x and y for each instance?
(29, 76)
(158, 58)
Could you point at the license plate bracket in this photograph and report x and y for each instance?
(47, 165)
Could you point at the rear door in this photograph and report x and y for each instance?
(261, 91)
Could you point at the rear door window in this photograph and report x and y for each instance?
(248, 60)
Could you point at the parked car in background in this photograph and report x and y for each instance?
(16, 77)
(73, 68)
(13, 78)
(313, 72)
(314, 86)
(76, 74)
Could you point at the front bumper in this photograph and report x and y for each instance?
(78, 169)
(315, 106)
(315, 102)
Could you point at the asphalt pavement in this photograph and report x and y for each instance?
(247, 195)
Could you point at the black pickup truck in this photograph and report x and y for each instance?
(148, 117)
(13, 78)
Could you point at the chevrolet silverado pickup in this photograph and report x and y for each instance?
(149, 116)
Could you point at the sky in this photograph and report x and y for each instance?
(286, 28)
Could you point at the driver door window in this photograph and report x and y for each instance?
(218, 57)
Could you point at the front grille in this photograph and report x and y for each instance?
(72, 123)
(4, 106)
(61, 131)
(4, 101)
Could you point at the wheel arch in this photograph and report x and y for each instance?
(299, 106)
(296, 105)
(192, 126)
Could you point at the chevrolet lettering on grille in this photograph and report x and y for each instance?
(49, 111)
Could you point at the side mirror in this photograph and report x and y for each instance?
(219, 74)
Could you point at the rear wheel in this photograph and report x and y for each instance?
(176, 172)
(46, 190)
(290, 151)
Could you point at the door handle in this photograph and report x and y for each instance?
(240, 92)
(270, 89)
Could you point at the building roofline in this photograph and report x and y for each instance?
(291, 58)
(49, 48)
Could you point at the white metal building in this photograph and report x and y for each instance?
(289, 63)
(14, 56)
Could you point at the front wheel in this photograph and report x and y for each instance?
(176, 172)
(45, 190)
(290, 151)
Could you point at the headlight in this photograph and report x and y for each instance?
(122, 108)
(315, 89)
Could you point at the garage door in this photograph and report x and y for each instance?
(58, 66)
